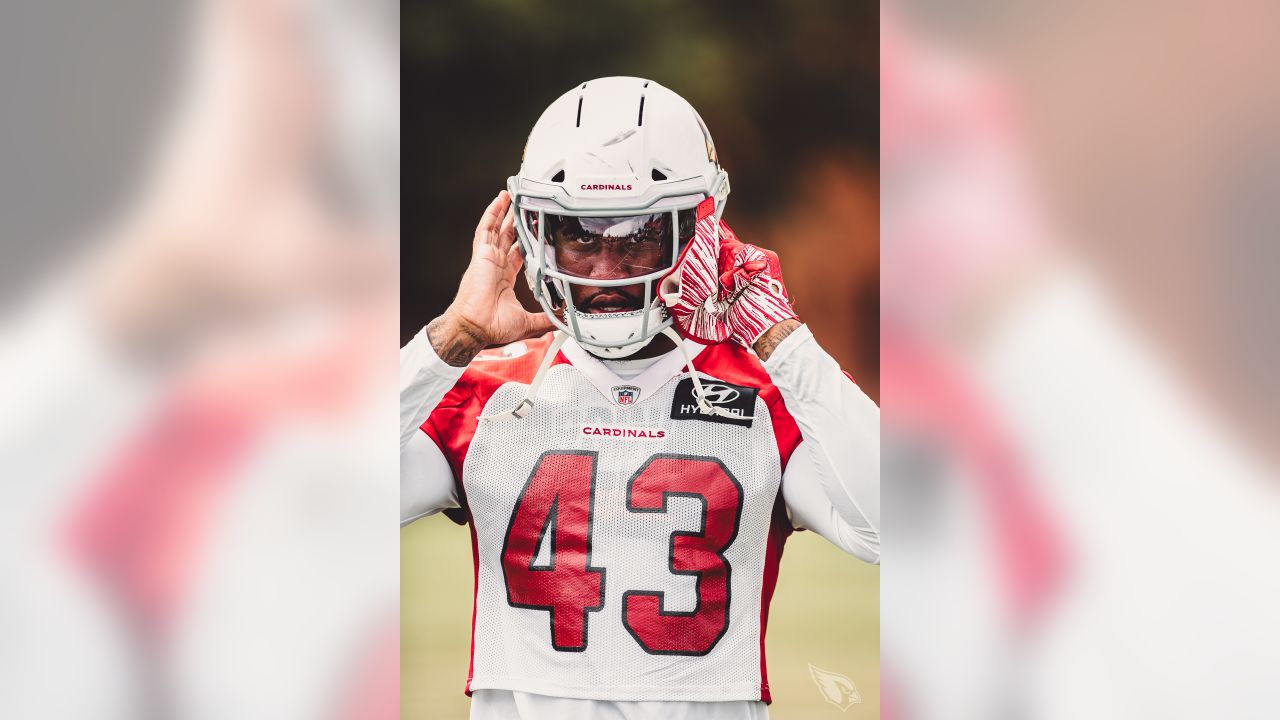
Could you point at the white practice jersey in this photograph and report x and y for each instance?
(626, 544)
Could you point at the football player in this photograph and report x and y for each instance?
(631, 460)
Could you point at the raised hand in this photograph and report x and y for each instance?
(722, 289)
(486, 310)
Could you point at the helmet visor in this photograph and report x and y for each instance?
(609, 248)
(612, 248)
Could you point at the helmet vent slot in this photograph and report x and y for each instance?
(578, 122)
(657, 175)
(559, 176)
(640, 121)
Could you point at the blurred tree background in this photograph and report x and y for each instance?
(790, 92)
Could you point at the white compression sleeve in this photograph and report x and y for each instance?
(426, 480)
(832, 484)
(424, 381)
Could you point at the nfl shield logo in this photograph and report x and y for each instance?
(625, 394)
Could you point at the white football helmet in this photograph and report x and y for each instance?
(618, 160)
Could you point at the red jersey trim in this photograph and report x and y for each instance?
(779, 530)
(475, 595)
(732, 363)
(453, 422)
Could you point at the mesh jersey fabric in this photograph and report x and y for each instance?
(622, 551)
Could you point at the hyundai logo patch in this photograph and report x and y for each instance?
(733, 399)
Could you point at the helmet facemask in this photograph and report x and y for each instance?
(596, 275)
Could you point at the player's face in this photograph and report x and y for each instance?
(610, 249)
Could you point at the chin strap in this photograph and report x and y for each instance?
(704, 407)
(526, 404)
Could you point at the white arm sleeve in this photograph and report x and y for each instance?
(424, 381)
(426, 481)
(832, 483)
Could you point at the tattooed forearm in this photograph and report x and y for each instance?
(774, 336)
(456, 342)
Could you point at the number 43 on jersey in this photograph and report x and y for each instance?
(557, 506)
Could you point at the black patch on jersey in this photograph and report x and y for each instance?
(736, 399)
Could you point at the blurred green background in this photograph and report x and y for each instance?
(790, 92)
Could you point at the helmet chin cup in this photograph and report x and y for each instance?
(616, 335)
